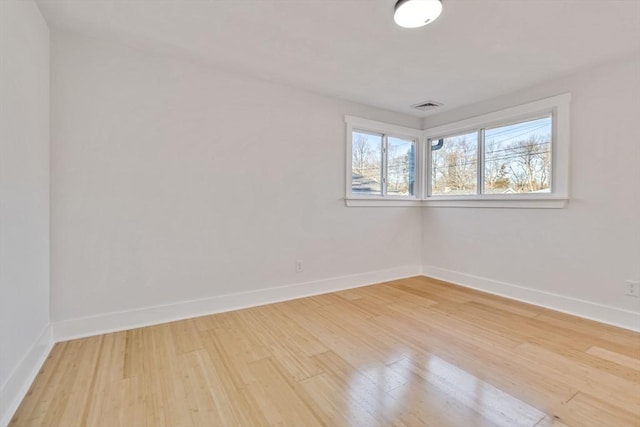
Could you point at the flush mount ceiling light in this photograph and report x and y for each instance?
(416, 13)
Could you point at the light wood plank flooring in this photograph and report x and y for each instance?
(413, 352)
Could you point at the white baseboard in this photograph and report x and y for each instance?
(19, 381)
(581, 308)
(123, 320)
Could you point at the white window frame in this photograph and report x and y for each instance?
(558, 107)
(386, 130)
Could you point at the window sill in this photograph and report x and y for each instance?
(523, 202)
(381, 202)
(518, 202)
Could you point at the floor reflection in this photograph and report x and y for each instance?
(427, 390)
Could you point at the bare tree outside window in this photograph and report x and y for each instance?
(366, 163)
(518, 158)
(400, 166)
(455, 166)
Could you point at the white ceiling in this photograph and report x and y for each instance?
(351, 49)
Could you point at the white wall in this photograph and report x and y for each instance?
(585, 251)
(24, 198)
(172, 181)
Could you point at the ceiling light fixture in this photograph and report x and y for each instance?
(416, 13)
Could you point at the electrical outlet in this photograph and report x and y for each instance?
(298, 266)
(633, 288)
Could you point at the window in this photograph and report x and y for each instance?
(383, 160)
(515, 158)
(366, 172)
(382, 164)
(401, 166)
(512, 158)
(454, 165)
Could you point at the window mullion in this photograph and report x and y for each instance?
(384, 164)
(422, 168)
(480, 164)
(428, 167)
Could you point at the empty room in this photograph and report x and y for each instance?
(320, 213)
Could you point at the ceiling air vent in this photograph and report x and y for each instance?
(427, 105)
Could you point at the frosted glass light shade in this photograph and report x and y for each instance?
(416, 13)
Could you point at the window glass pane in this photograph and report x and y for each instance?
(454, 166)
(517, 158)
(366, 166)
(400, 166)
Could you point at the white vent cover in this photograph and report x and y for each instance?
(427, 105)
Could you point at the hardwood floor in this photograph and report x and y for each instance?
(413, 352)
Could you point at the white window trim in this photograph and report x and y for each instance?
(557, 106)
(356, 123)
